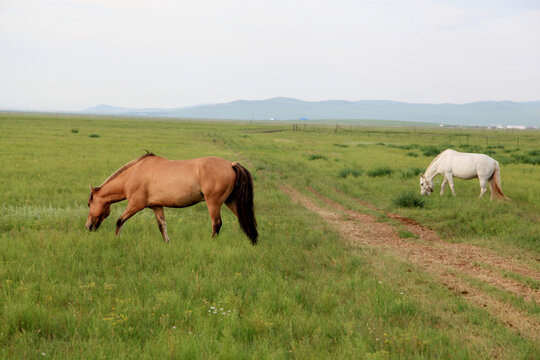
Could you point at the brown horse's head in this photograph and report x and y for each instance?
(98, 209)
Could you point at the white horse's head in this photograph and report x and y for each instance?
(426, 185)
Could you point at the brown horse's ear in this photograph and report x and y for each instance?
(422, 176)
(92, 189)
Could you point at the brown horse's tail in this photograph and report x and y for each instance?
(495, 182)
(243, 196)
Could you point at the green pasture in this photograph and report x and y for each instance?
(301, 293)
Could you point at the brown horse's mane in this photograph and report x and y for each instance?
(125, 167)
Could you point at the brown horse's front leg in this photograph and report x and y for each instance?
(131, 210)
(160, 217)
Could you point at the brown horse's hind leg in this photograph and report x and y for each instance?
(160, 217)
(232, 206)
(131, 210)
(215, 214)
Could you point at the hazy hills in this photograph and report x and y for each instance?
(476, 113)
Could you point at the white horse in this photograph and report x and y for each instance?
(464, 166)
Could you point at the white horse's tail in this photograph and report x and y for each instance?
(495, 184)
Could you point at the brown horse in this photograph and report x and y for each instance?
(154, 182)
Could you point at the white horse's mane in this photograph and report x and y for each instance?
(436, 158)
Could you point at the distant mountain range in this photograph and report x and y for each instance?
(476, 113)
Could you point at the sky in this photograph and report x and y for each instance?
(69, 55)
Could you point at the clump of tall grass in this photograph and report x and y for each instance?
(472, 148)
(408, 146)
(410, 173)
(75, 130)
(496, 146)
(380, 171)
(432, 150)
(343, 173)
(533, 158)
(94, 135)
(504, 160)
(342, 145)
(316, 157)
(409, 199)
(412, 154)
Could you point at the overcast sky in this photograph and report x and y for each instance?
(73, 54)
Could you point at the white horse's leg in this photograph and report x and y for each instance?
(450, 180)
(443, 184)
(483, 186)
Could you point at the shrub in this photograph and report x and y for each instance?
(409, 199)
(412, 154)
(75, 130)
(316, 157)
(380, 171)
(93, 135)
(410, 173)
(342, 145)
(343, 173)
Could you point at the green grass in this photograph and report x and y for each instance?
(302, 292)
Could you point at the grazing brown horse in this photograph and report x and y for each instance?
(154, 182)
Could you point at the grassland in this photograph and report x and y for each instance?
(303, 292)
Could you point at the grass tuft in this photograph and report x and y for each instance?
(343, 173)
(380, 171)
(409, 200)
(316, 157)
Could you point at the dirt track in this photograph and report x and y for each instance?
(448, 263)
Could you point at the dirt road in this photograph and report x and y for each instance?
(448, 263)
